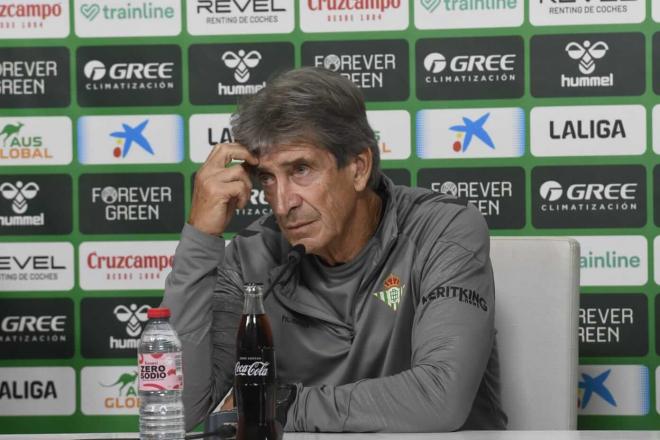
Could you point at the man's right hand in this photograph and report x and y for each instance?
(220, 190)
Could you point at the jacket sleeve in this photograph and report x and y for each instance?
(452, 339)
(207, 335)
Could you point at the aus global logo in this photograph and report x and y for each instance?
(109, 391)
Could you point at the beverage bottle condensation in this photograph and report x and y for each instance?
(255, 371)
(160, 383)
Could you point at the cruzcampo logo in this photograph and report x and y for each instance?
(393, 292)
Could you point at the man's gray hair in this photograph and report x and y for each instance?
(308, 105)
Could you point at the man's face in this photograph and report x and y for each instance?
(312, 200)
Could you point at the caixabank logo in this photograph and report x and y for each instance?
(566, 12)
(587, 65)
(34, 77)
(353, 15)
(378, 67)
(112, 18)
(470, 68)
(207, 130)
(34, 19)
(230, 17)
(109, 391)
(134, 139)
(498, 193)
(111, 76)
(470, 133)
(125, 265)
(35, 140)
(35, 204)
(37, 391)
(36, 328)
(36, 266)
(256, 207)
(613, 390)
(589, 130)
(123, 320)
(607, 196)
(223, 73)
(613, 324)
(131, 203)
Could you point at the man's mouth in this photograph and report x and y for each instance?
(299, 225)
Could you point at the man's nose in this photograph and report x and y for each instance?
(286, 198)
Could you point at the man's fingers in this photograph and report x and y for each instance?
(223, 154)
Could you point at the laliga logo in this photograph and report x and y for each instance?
(241, 63)
(435, 62)
(20, 194)
(133, 315)
(587, 54)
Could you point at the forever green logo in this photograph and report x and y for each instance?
(430, 5)
(90, 11)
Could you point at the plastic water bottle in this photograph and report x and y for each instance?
(160, 382)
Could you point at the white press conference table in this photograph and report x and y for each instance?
(462, 435)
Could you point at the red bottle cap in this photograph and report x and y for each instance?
(158, 312)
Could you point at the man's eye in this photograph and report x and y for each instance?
(265, 179)
(301, 169)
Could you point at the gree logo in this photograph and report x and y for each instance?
(133, 316)
(241, 62)
(552, 191)
(19, 194)
(587, 54)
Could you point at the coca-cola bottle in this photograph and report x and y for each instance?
(254, 373)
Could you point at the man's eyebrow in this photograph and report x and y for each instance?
(285, 164)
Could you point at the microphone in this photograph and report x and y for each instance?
(294, 256)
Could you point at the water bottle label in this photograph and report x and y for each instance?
(158, 372)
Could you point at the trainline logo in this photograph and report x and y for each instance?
(613, 260)
(464, 14)
(127, 18)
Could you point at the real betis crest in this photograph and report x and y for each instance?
(392, 293)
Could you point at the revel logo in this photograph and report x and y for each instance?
(36, 266)
(498, 193)
(589, 196)
(567, 12)
(222, 73)
(129, 75)
(36, 328)
(34, 77)
(228, 17)
(124, 320)
(131, 203)
(470, 68)
(35, 204)
(587, 65)
(379, 68)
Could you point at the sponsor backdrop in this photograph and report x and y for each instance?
(544, 114)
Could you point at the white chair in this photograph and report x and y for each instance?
(536, 316)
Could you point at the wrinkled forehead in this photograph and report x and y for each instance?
(283, 155)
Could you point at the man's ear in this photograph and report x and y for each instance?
(362, 162)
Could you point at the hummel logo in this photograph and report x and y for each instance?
(241, 63)
(587, 54)
(19, 194)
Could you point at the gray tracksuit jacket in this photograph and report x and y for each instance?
(399, 339)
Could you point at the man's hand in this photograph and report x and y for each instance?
(220, 190)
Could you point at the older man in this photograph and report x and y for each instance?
(386, 324)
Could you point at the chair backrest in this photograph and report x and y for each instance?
(536, 316)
